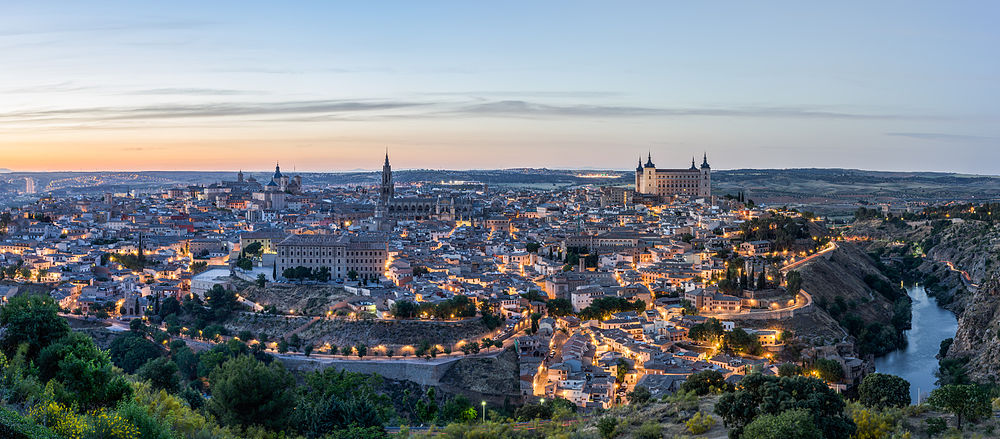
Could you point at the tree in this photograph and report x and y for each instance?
(606, 426)
(559, 307)
(353, 275)
(308, 349)
(969, 401)
(248, 392)
(881, 390)
(130, 352)
(705, 382)
(222, 301)
(789, 370)
(83, 370)
(244, 264)
(405, 309)
(137, 327)
(361, 349)
(793, 282)
(261, 280)
(333, 400)
(621, 370)
(254, 249)
(31, 320)
(829, 370)
(162, 373)
(639, 395)
(759, 395)
(789, 424)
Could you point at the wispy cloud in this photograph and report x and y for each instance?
(176, 111)
(518, 108)
(374, 109)
(942, 136)
(194, 91)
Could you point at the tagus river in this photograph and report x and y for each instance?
(917, 363)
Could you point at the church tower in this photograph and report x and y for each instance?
(388, 189)
(705, 185)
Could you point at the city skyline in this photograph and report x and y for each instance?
(327, 87)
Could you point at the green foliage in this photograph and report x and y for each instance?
(935, 426)
(709, 331)
(31, 320)
(781, 230)
(759, 395)
(882, 390)
(639, 395)
(741, 342)
(606, 426)
(705, 382)
(15, 426)
(829, 370)
(793, 282)
(652, 430)
(789, 424)
(83, 372)
(789, 370)
(131, 351)
(162, 373)
(336, 400)
(968, 401)
(603, 307)
(559, 307)
(248, 392)
(700, 423)
(405, 309)
(222, 301)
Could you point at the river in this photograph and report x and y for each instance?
(917, 363)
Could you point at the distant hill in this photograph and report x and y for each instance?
(5, 171)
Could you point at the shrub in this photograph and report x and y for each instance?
(935, 426)
(700, 423)
(606, 426)
(650, 430)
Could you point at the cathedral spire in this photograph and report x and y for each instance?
(704, 162)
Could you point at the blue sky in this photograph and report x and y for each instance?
(329, 85)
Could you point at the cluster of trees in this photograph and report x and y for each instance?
(74, 390)
(458, 306)
(736, 279)
(301, 273)
(735, 341)
(602, 308)
(798, 407)
(874, 338)
(15, 271)
(781, 230)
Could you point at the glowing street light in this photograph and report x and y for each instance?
(484, 411)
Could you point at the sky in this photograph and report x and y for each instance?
(330, 86)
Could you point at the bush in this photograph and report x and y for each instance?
(247, 392)
(606, 426)
(700, 423)
(14, 426)
(649, 430)
(935, 426)
(882, 390)
(790, 424)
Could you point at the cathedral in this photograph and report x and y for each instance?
(443, 208)
(693, 182)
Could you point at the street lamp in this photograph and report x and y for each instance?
(484, 412)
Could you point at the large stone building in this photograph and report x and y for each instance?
(664, 183)
(364, 254)
(443, 208)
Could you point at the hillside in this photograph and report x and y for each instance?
(855, 298)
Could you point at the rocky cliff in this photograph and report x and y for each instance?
(978, 335)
